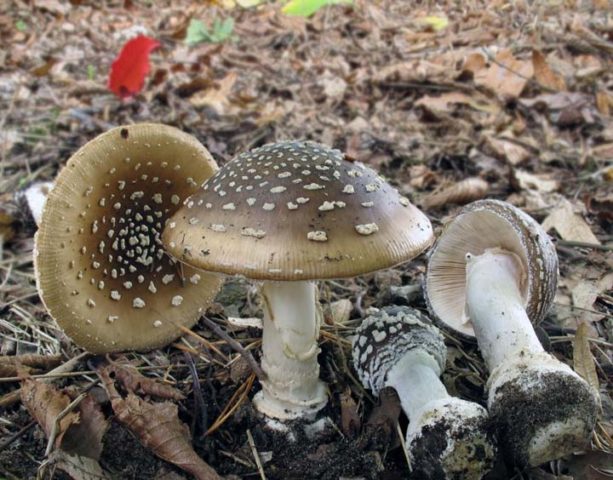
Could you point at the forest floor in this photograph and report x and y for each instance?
(516, 94)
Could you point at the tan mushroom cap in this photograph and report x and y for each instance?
(296, 211)
(482, 225)
(101, 269)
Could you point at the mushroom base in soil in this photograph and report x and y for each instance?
(291, 324)
(447, 438)
(545, 410)
(493, 273)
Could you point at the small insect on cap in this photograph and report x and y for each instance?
(101, 268)
(296, 211)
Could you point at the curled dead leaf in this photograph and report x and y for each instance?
(9, 364)
(45, 402)
(158, 428)
(583, 360)
(460, 193)
(133, 381)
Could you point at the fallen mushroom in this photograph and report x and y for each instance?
(447, 438)
(493, 272)
(100, 267)
(288, 214)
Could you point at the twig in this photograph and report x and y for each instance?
(404, 446)
(16, 435)
(56, 424)
(246, 354)
(256, 455)
(594, 246)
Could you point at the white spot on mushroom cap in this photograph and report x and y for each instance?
(138, 303)
(367, 228)
(176, 300)
(317, 236)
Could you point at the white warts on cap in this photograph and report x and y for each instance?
(317, 236)
(367, 228)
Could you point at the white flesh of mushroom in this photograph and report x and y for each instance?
(495, 306)
(289, 351)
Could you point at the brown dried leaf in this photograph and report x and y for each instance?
(507, 150)
(10, 363)
(350, 420)
(506, 76)
(565, 108)
(568, 224)
(531, 181)
(45, 402)
(544, 74)
(216, 97)
(77, 467)
(604, 101)
(446, 102)
(583, 360)
(134, 382)
(158, 428)
(84, 438)
(461, 193)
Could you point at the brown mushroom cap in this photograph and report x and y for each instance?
(482, 225)
(101, 268)
(296, 211)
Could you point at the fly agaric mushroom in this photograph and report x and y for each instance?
(101, 270)
(493, 272)
(291, 213)
(447, 438)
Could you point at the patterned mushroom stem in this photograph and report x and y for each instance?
(447, 438)
(289, 351)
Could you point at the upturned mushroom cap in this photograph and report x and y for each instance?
(296, 211)
(385, 337)
(482, 225)
(101, 270)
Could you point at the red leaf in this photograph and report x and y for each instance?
(130, 68)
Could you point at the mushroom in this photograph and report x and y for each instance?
(288, 214)
(447, 438)
(493, 272)
(100, 267)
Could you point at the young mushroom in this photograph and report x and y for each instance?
(100, 267)
(493, 272)
(447, 438)
(288, 214)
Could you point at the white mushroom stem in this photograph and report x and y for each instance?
(36, 197)
(416, 380)
(289, 351)
(495, 306)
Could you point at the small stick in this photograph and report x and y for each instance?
(255, 454)
(217, 330)
(16, 435)
(56, 424)
(404, 446)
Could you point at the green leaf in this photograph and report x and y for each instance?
(198, 32)
(21, 25)
(91, 72)
(306, 8)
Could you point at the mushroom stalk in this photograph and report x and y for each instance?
(416, 380)
(496, 309)
(289, 351)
